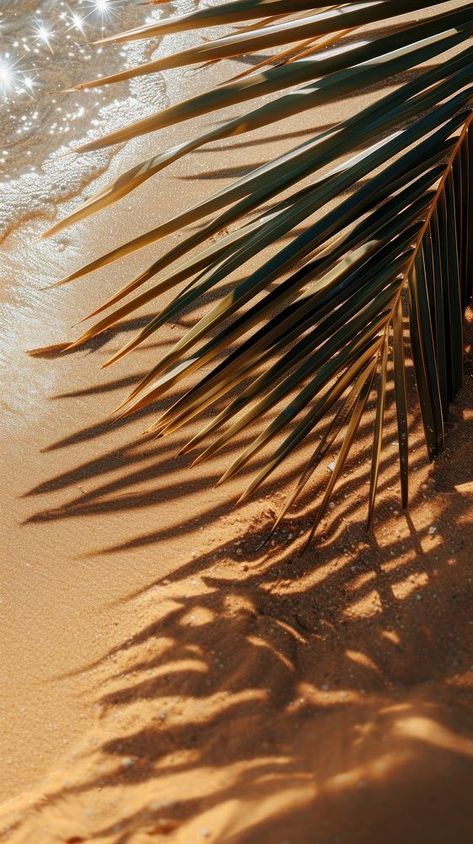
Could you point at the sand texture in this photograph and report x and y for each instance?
(162, 679)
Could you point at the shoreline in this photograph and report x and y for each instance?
(38, 170)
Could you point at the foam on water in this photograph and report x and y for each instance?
(43, 53)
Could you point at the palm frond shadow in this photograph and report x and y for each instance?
(323, 673)
(149, 480)
(242, 141)
(148, 459)
(396, 243)
(305, 689)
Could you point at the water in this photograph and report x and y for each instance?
(45, 48)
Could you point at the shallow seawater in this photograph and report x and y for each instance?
(45, 48)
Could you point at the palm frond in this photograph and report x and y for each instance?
(386, 197)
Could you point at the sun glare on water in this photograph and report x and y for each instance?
(45, 48)
(49, 27)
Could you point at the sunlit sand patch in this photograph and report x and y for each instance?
(429, 731)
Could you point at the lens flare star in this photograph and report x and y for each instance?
(102, 9)
(6, 77)
(13, 80)
(76, 22)
(43, 35)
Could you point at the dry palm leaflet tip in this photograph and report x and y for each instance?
(386, 255)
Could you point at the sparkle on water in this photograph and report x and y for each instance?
(35, 40)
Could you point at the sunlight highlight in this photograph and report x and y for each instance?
(6, 77)
(106, 9)
(43, 35)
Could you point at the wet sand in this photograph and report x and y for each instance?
(160, 677)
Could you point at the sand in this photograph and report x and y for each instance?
(161, 679)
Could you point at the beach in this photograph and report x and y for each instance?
(161, 678)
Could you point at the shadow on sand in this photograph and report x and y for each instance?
(273, 697)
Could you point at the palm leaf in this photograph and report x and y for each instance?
(386, 254)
